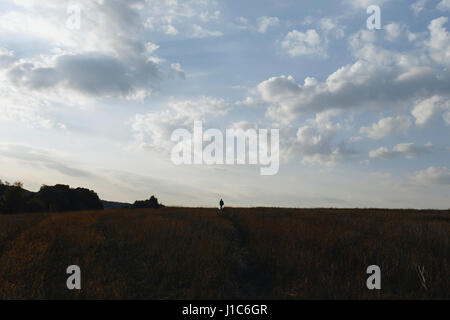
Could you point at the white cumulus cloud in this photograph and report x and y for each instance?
(264, 23)
(297, 43)
(386, 127)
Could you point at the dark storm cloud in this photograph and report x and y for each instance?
(95, 75)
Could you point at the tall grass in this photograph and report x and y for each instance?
(151, 254)
(324, 254)
(186, 253)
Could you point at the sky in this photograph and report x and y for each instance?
(91, 92)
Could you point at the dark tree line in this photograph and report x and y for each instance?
(58, 198)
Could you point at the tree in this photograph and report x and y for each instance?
(18, 184)
(63, 198)
(59, 198)
(150, 203)
(12, 199)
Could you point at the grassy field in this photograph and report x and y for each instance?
(260, 253)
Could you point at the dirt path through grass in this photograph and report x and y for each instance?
(243, 270)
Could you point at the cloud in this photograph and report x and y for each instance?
(252, 103)
(444, 5)
(171, 30)
(418, 6)
(432, 175)
(41, 158)
(242, 23)
(408, 150)
(379, 78)
(110, 59)
(315, 147)
(331, 28)
(177, 71)
(362, 84)
(198, 108)
(393, 31)
(89, 74)
(100, 60)
(262, 24)
(243, 125)
(6, 58)
(386, 127)
(121, 21)
(154, 129)
(265, 23)
(365, 3)
(428, 109)
(297, 43)
(317, 142)
(117, 41)
(439, 42)
(200, 32)
(28, 107)
(178, 18)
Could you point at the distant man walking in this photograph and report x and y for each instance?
(221, 204)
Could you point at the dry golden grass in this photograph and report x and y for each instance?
(122, 254)
(187, 253)
(323, 253)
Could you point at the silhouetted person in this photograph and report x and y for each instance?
(221, 204)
